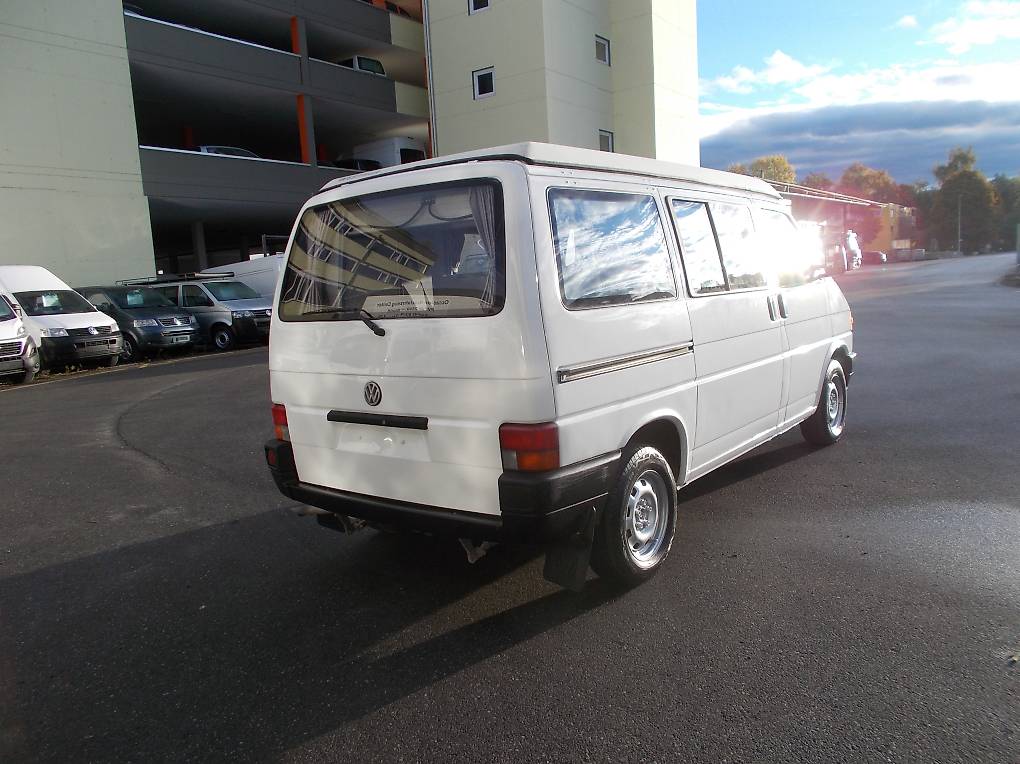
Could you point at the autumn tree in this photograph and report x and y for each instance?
(960, 159)
(774, 167)
(818, 180)
(860, 180)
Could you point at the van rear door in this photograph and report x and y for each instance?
(435, 261)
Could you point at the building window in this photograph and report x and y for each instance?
(483, 81)
(602, 50)
(474, 6)
(606, 141)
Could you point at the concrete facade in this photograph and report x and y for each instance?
(71, 195)
(550, 87)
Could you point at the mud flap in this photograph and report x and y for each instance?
(566, 562)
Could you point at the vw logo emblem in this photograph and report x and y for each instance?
(373, 394)
(93, 330)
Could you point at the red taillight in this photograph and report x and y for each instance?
(530, 447)
(280, 429)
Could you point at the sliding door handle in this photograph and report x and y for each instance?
(772, 308)
(782, 305)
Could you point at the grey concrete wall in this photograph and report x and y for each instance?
(70, 183)
(168, 45)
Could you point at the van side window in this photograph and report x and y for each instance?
(745, 265)
(194, 297)
(169, 292)
(788, 249)
(699, 250)
(610, 248)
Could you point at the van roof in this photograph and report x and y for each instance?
(28, 278)
(550, 155)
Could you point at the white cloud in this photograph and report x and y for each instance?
(780, 69)
(939, 81)
(906, 22)
(979, 22)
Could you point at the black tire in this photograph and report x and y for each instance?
(33, 368)
(222, 338)
(828, 423)
(129, 349)
(621, 553)
(112, 361)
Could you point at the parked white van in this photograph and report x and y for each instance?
(540, 343)
(19, 357)
(62, 324)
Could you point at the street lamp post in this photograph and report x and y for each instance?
(959, 229)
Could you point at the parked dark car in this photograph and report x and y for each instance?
(874, 257)
(147, 319)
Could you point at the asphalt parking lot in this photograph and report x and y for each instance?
(160, 600)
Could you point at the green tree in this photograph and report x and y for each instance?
(860, 180)
(960, 159)
(969, 193)
(818, 180)
(1007, 211)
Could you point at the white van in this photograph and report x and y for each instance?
(261, 273)
(19, 358)
(540, 343)
(62, 324)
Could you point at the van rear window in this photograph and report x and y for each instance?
(426, 252)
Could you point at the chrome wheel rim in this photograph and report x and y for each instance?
(835, 404)
(647, 522)
(222, 340)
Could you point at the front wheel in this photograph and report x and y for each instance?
(129, 349)
(113, 360)
(222, 337)
(32, 368)
(637, 525)
(826, 425)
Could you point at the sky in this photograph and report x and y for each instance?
(894, 85)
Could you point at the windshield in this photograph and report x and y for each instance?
(6, 314)
(231, 290)
(427, 252)
(53, 302)
(128, 299)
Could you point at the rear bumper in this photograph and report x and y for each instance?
(534, 507)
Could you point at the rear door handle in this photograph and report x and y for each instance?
(772, 308)
(782, 305)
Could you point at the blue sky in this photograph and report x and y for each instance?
(892, 84)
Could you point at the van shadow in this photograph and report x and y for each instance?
(747, 467)
(248, 638)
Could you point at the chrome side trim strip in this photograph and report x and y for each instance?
(585, 370)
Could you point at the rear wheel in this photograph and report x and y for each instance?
(827, 424)
(222, 337)
(637, 525)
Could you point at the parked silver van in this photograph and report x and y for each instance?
(540, 343)
(228, 311)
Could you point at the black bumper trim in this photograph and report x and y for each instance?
(534, 507)
(379, 420)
